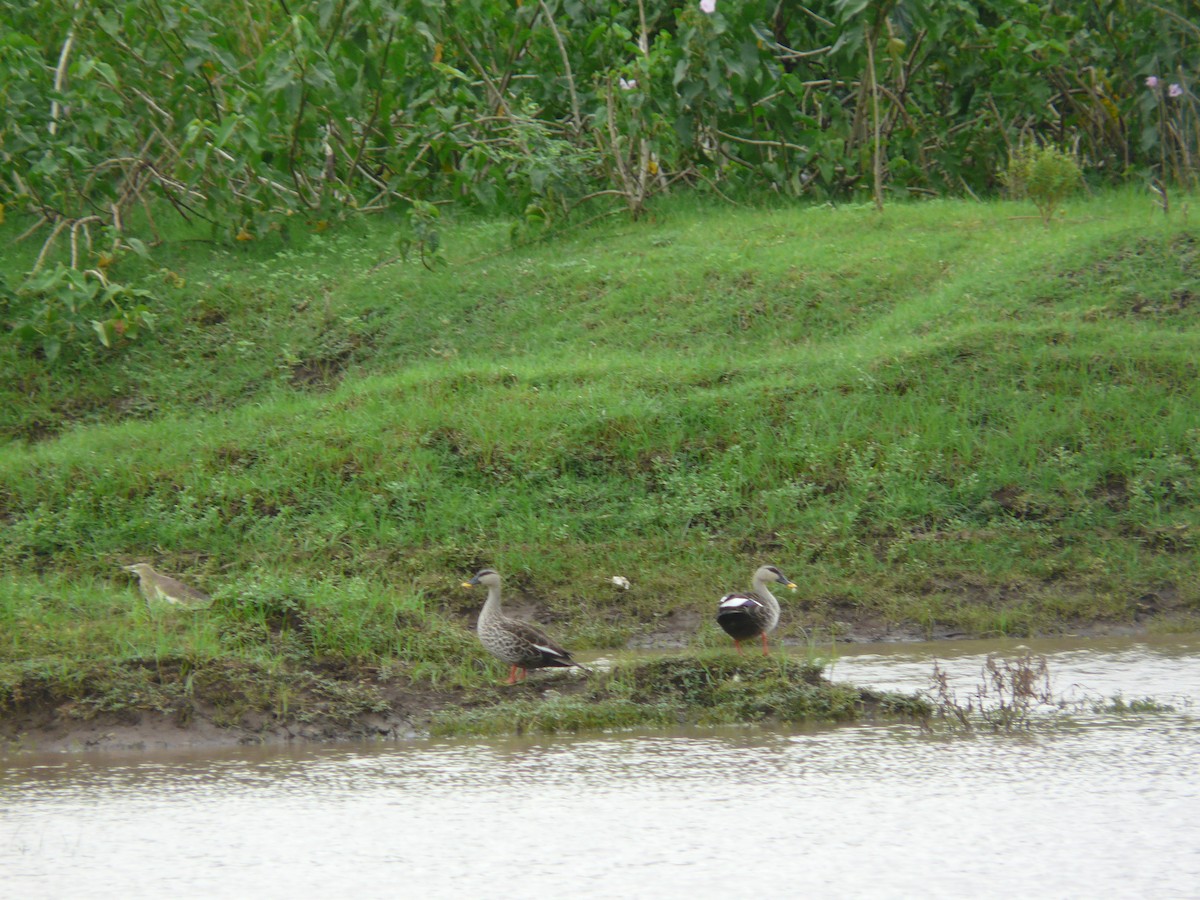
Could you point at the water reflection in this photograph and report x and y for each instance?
(1105, 807)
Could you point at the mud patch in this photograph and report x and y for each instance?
(165, 704)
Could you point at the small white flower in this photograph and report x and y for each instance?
(621, 581)
(708, 6)
(627, 85)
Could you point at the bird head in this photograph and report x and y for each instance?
(771, 573)
(486, 577)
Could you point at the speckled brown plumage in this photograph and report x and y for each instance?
(517, 643)
(156, 586)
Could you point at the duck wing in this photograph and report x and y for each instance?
(741, 615)
(541, 651)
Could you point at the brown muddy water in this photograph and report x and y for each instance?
(1103, 804)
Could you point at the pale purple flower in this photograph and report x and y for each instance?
(627, 85)
(1151, 81)
(708, 6)
(1174, 91)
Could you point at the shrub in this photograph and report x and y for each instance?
(55, 309)
(1046, 175)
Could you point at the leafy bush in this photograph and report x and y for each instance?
(1046, 175)
(59, 308)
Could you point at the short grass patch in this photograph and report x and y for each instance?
(704, 689)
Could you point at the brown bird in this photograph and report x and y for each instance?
(155, 586)
(744, 616)
(517, 643)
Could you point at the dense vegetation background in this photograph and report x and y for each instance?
(244, 113)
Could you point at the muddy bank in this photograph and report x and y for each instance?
(166, 704)
(170, 704)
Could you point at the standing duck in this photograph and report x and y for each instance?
(744, 616)
(517, 643)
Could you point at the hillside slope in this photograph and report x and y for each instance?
(945, 418)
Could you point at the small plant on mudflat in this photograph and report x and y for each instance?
(1006, 698)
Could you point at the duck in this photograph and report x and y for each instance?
(156, 586)
(517, 643)
(744, 616)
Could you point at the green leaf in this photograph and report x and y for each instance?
(681, 71)
(451, 72)
(105, 331)
(224, 130)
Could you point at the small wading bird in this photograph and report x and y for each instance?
(155, 586)
(744, 616)
(517, 643)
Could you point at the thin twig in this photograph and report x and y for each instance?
(877, 154)
(75, 226)
(788, 54)
(576, 118)
(716, 189)
(41, 258)
(782, 144)
(42, 220)
(366, 128)
(60, 73)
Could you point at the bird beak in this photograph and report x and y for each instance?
(468, 584)
(791, 586)
(129, 568)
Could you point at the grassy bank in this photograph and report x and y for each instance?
(942, 418)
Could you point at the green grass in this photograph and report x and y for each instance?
(702, 689)
(942, 417)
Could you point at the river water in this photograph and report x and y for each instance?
(1107, 804)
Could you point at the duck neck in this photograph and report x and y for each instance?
(760, 588)
(491, 608)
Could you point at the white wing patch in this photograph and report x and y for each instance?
(549, 651)
(734, 601)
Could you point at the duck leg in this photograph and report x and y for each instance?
(737, 645)
(512, 675)
(764, 639)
